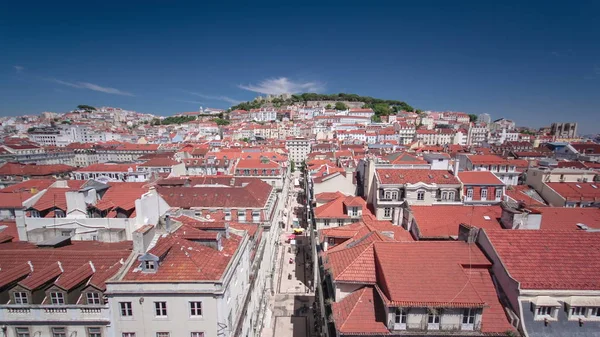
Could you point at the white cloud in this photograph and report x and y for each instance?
(597, 69)
(282, 85)
(19, 69)
(216, 98)
(94, 87)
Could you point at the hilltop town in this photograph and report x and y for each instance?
(297, 215)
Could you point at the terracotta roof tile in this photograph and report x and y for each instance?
(360, 313)
(553, 260)
(443, 221)
(479, 178)
(413, 176)
(254, 195)
(562, 218)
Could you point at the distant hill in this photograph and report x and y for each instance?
(381, 107)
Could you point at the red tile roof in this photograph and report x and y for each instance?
(336, 208)
(328, 196)
(254, 195)
(487, 159)
(518, 193)
(10, 229)
(53, 197)
(479, 178)
(442, 221)
(13, 200)
(28, 185)
(159, 162)
(184, 260)
(413, 176)
(494, 318)
(360, 313)
(122, 197)
(549, 260)
(589, 192)
(74, 258)
(564, 218)
(432, 273)
(256, 164)
(17, 169)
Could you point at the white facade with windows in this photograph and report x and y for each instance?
(298, 149)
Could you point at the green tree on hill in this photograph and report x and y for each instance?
(472, 118)
(86, 107)
(340, 106)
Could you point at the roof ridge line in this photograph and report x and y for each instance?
(359, 255)
(363, 289)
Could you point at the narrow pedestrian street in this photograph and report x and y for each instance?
(292, 304)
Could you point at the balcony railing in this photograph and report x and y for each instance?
(67, 313)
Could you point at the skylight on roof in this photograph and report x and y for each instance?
(486, 217)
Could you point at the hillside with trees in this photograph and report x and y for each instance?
(382, 107)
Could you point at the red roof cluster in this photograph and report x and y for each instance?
(16, 169)
(549, 260)
(413, 176)
(443, 221)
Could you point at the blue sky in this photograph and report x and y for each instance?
(535, 62)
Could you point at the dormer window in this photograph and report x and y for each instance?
(149, 266)
(57, 298)
(468, 319)
(400, 316)
(93, 297)
(544, 312)
(20, 297)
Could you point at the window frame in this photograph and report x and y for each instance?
(22, 331)
(128, 334)
(387, 212)
(163, 334)
(484, 193)
(498, 194)
(126, 309)
(197, 334)
(56, 331)
(468, 319)
(541, 312)
(420, 195)
(400, 316)
(160, 309)
(469, 193)
(20, 297)
(93, 294)
(94, 334)
(582, 312)
(149, 265)
(56, 297)
(194, 308)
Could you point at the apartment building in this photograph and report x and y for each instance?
(529, 266)
(106, 172)
(298, 149)
(393, 188)
(502, 168)
(481, 187)
(88, 210)
(440, 288)
(186, 278)
(58, 287)
(265, 169)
